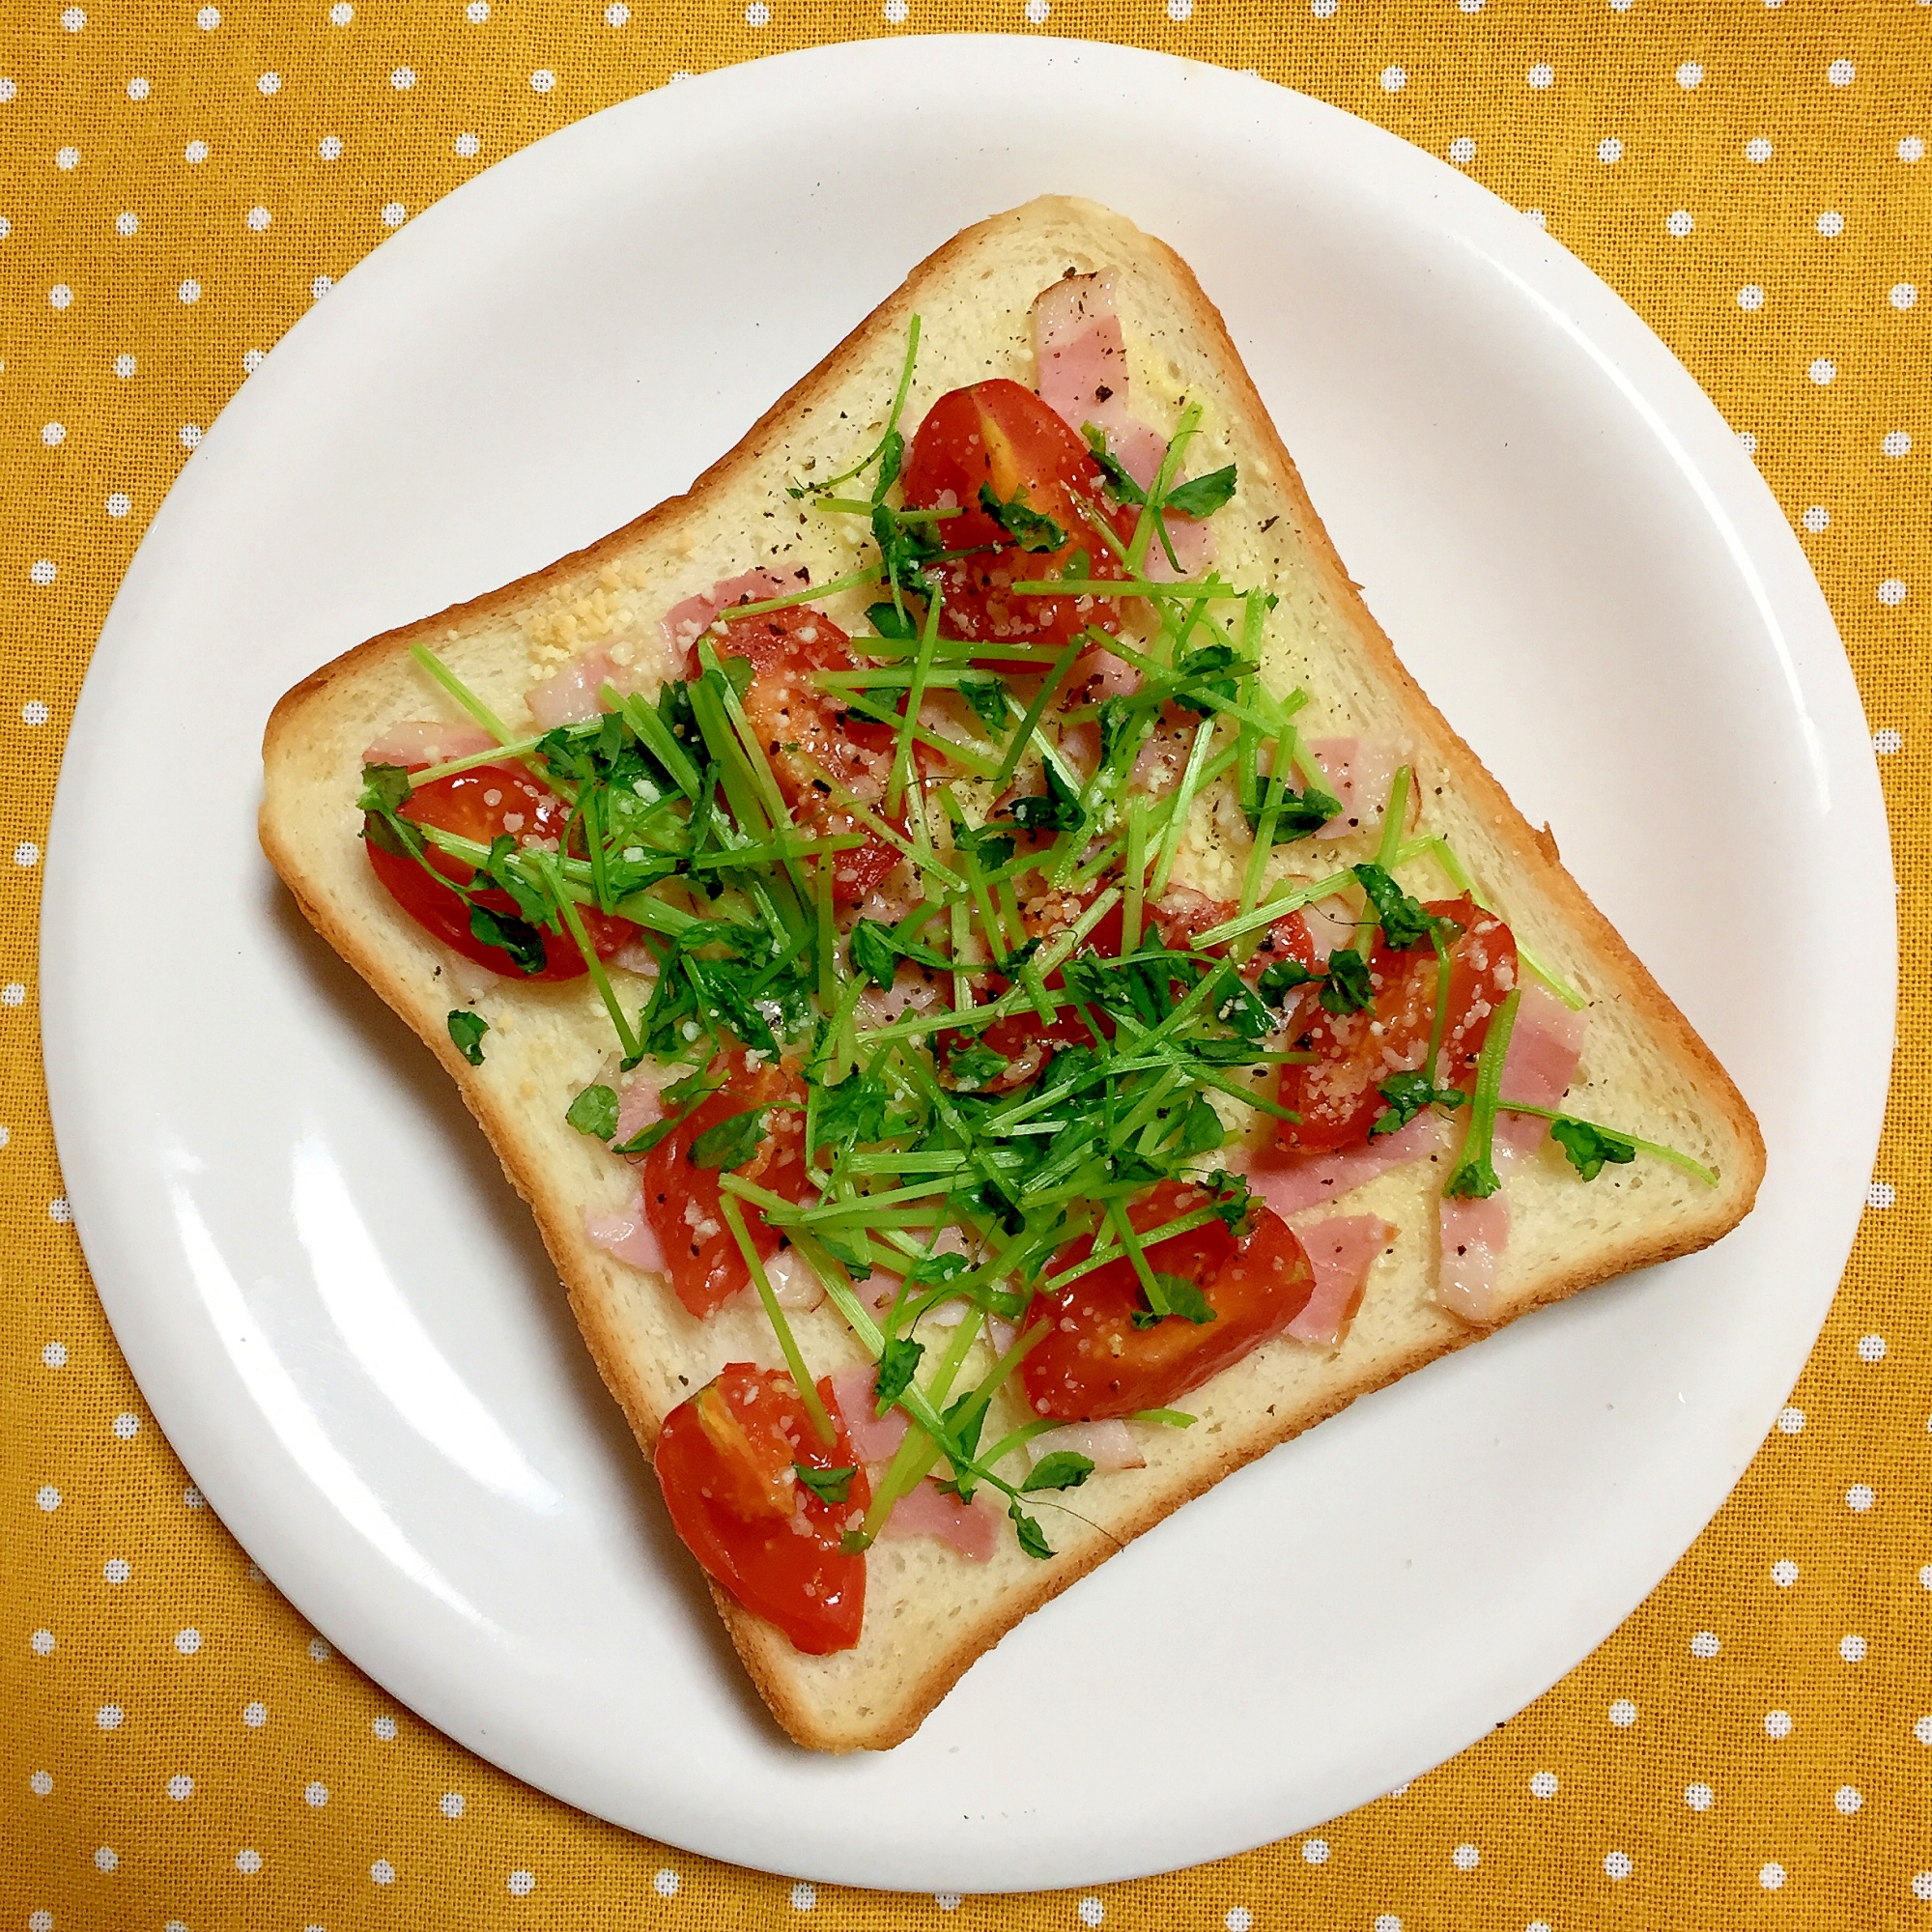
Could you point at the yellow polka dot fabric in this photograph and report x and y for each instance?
(176, 187)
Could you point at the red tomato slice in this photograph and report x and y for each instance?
(485, 804)
(725, 1461)
(1095, 1362)
(999, 434)
(681, 1199)
(810, 740)
(1337, 1094)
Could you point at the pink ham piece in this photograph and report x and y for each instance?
(1341, 1252)
(683, 624)
(640, 1106)
(1098, 674)
(971, 1528)
(571, 695)
(1359, 771)
(1474, 1235)
(1291, 1183)
(875, 1439)
(1107, 1445)
(1542, 1060)
(1193, 550)
(426, 741)
(628, 1236)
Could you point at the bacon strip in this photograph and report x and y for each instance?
(1359, 771)
(1541, 1063)
(683, 624)
(1108, 1446)
(1474, 1235)
(629, 1236)
(426, 741)
(1290, 1182)
(1341, 1251)
(924, 1511)
(875, 1439)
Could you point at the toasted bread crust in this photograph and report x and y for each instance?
(873, 1702)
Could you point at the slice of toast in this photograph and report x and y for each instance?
(930, 1612)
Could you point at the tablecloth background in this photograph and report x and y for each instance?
(176, 187)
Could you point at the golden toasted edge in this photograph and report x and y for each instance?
(769, 1658)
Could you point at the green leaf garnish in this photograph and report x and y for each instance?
(1588, 1147)
(385, 788)
(897, 1361)
(1404, 923)
(1279, 981)
(1183, 1298)
(515, 936)
(1205, 495)
(1031, 1538)
(1407, 1094)
(974, 1068)
(985, 693)
(1345, 986)
(731, 1143)
(1029, 529)
(594, 1111)
(1119, 480)
(1056, 810)
(1061, 1469)
(467, 1031)
(851, 1112)
(828, 1485)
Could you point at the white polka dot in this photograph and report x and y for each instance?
(189, 291)
(1036, 11)
(105, 1858)
(666, 1884)
(1621, 5)
(254, 1716)
(1830, 224)
(1886, 740)
(60, 296)
(1238, 1918)
(1892, 592)
(1679, 222)
(1841, 73)
(187, 1641)
(394, 215)
(1911, 149)
(58, 1210)
(384, 1728)
(522, 1884)
(1543, 1784)
(467, 146)
(54, 435)
(1465, 1857)
(190, 435)
(1879, 1194)
(1314, 1852)
(476, 12)
(403, 78)
(137, 88)
(1618, 1865)
(1690, 74)
(258, 218)
(207, 19)
(757, 15)
(13, 994)
(318, 1651)
(321, 286)
(1325, 9)
(192, 1498)
(1757, 148)
(269, 83)
(117, 1570)
(1541, 75)
(42, 572)
(73, 19)
(450, 1804)
(1394, 79)
(48, 1497)
(1790, 1421)
(1921, 1885)
(1771, 1875)
(1784, 1573)
(316, 1795)
(180, 1786)
(1860, 1498)
(1462, 151)
(8, 90)
(1388, 1921)
(1535, 217)
(1902, 296)
(1705, 1645)
(195, 152)
(68, 159)
(1848, 1798)
(1923, 1730)
(1897, 443)
(124, 366)
(1817, 520)
(120, 503)
(34, 711)
(41, 1783)
(804, 1897)
(54, 1355)
(330, 147)
(1699, 1796)
(1823, 371)
(1750, 297)
(1778, 1723)
(127, 1426)
(1852, 1648)
(1609, 149)
(543, 80)
(616, 14)
(341, 14)
(110, 1717)
(249, 1862)
(383, 1872)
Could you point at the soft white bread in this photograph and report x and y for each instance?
(929, 1612)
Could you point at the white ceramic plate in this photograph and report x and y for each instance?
(340, 1314)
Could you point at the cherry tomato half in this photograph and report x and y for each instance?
(485, 804)
(681, 1199)
(725, 1459)
(1337, 1094)
(1095, 1362)
(812, 743)
(1001, 435)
